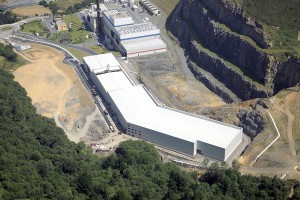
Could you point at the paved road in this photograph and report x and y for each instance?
(18, 3)
(65, 45)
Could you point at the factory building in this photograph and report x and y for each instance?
(141, 116)
(129, 38)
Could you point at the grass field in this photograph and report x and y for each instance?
(97, 49)
(166, 5)
(66, 3)
(75, 34)
(73, 18)
(31, 10)
(34, 27)
(78, 53)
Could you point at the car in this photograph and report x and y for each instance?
(111, 128)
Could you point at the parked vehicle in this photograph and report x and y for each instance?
(111, 128)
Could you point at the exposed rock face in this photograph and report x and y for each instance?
(288, 74)
(248, 115)
(235, 61)
(231, 14)
(251, 121)
(226, 74)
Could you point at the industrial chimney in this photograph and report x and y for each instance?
(98, 16)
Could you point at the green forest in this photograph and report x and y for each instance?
(37, 161)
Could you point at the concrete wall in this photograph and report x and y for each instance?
(211, 151)
(117, 111)
(149, 52)
(234, 144)
(86, 67)
(164, 140)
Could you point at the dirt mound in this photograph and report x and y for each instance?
(54, 88)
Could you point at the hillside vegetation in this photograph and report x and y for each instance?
(281, 19)
(34, 27)
(8, 18)
(9, 60)
(37, 161)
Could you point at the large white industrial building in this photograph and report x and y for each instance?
(129, 38)
(142, 117)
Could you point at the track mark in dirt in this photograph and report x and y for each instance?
(291, 117)
(289, 127)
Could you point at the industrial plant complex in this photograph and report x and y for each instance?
(129, 37)
(141, 116)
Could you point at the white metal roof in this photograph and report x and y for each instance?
(142, 27)
(143, 44)
(132, 101)
(187, 127)
(118, 18)
(137, 107)
(114, 80)
(118, 15)
(102, 63)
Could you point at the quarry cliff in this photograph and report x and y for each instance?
(228, 51)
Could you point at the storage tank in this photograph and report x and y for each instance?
(131, 2)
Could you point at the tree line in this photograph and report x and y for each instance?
(7, 52)
(8, 17)
(71, 9)
(37, 161)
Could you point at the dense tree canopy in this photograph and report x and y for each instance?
(7, 52)
(7, 18)
(37, 161)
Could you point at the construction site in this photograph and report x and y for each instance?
(57, 93)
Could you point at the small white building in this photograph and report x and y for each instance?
(21, 47)
(141, 116)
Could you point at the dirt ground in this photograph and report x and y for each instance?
(283, 156)
(31, 10)
(57, 92)
(285, 151)
(174, 85)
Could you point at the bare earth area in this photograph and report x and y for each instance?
(172, 83)
(283, 156)
(57, 93)
(31, 10)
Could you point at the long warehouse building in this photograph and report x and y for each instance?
(141, 116)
